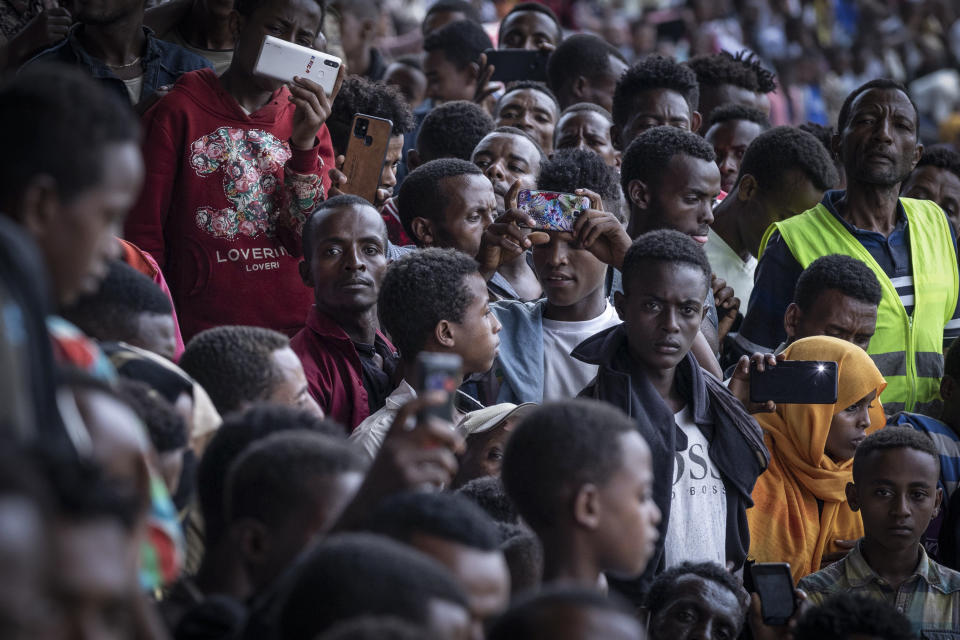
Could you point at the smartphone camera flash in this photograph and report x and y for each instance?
(820, 368)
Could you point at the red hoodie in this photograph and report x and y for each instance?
(223, 206)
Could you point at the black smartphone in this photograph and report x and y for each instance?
(795, 382)
(773, 582)
(439, 372)
(517, 64)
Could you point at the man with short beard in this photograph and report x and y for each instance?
(908, 244)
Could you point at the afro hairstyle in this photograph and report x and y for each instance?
(489, 494)
(840, 272)
(555, 450)
(582, 54)
(453, 130)
(447, 516)
(742, 70)
(782, 149)
(571, 169)
(419, 290)
(849, 614)
(894, 437)
(663, 245)
(941, 156)
(423, 196)
(461, 42)
(653, 72)
(649, 154)
(734, 111)
(360, 95)
(166, 428)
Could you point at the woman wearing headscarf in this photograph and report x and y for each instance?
(800, 506)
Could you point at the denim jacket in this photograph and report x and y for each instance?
(163, 62)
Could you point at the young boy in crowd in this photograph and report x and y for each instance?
(784, 171)
(690, 598)
(654, 92)
(235, 165)
(581, 477)
(530, 107)
(240, 365)
(731, 129)
(585, 68)
(458, 534)
(349, 364)
(707, 451)
(361, 96)
(895, 476)
(937, 178)
(586, 126)
(534, 362)
(508, 155)
(110, 43)
(452, 63)
(432, 300)
(728, 79)
(282, 492)
(128, 307)
(530, 25)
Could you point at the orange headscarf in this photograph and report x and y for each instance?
(785, 523)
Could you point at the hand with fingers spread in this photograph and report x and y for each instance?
(313, 109)
(47, 28)
(508, 236)
(600, 233)
(728, 305)
(485, 87)
(740, 382)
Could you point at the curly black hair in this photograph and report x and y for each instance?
(556, 449)
(822, 133)
(734, 111)
(360, 95)
(111, 313)
(570, 169)
(272, 479)
(236, 433)
(847, 275)
(663, 245)
(462, 42)
(166, 428)
(661, 590)
(522, 7)
(232, 363)
(742, 70)
(849, 614)
(894, 437)
(423, 196)
(653, 72)
(360, 575)
(447, 516)
(419, 290)
(488, 493)
(876, 83)
(941, 156)
(649, 154)
(519, 85)
(781, 149)
(46, 107)
(582, 54)
(452, 130)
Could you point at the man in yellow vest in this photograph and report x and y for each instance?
(907, 243)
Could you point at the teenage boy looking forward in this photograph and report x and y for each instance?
(895, 473)
(432, 300)
(349, 364)
(702, 485)
(235, 165)
(532, 26)
(580, 475)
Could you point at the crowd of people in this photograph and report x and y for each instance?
(218, 419)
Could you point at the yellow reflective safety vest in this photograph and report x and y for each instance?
(908, 350)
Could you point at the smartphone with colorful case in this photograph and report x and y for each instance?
(552, 210)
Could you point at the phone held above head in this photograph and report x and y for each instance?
(795, 382)
(552, 210)
(282, 60)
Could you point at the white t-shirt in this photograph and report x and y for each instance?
(134, 88)
(697, 530)
(563, 375)
(725, 262)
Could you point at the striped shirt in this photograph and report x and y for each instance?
(930, 598)
(778, 271)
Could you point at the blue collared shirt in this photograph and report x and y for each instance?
(778, 271)
(163, 62)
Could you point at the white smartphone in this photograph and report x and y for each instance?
(282, 60)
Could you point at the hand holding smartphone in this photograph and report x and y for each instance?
(366, 152)
(795, 382)
(773, 582)
(282, 60)
(517, 64)
(439, 372)
(552, 210)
